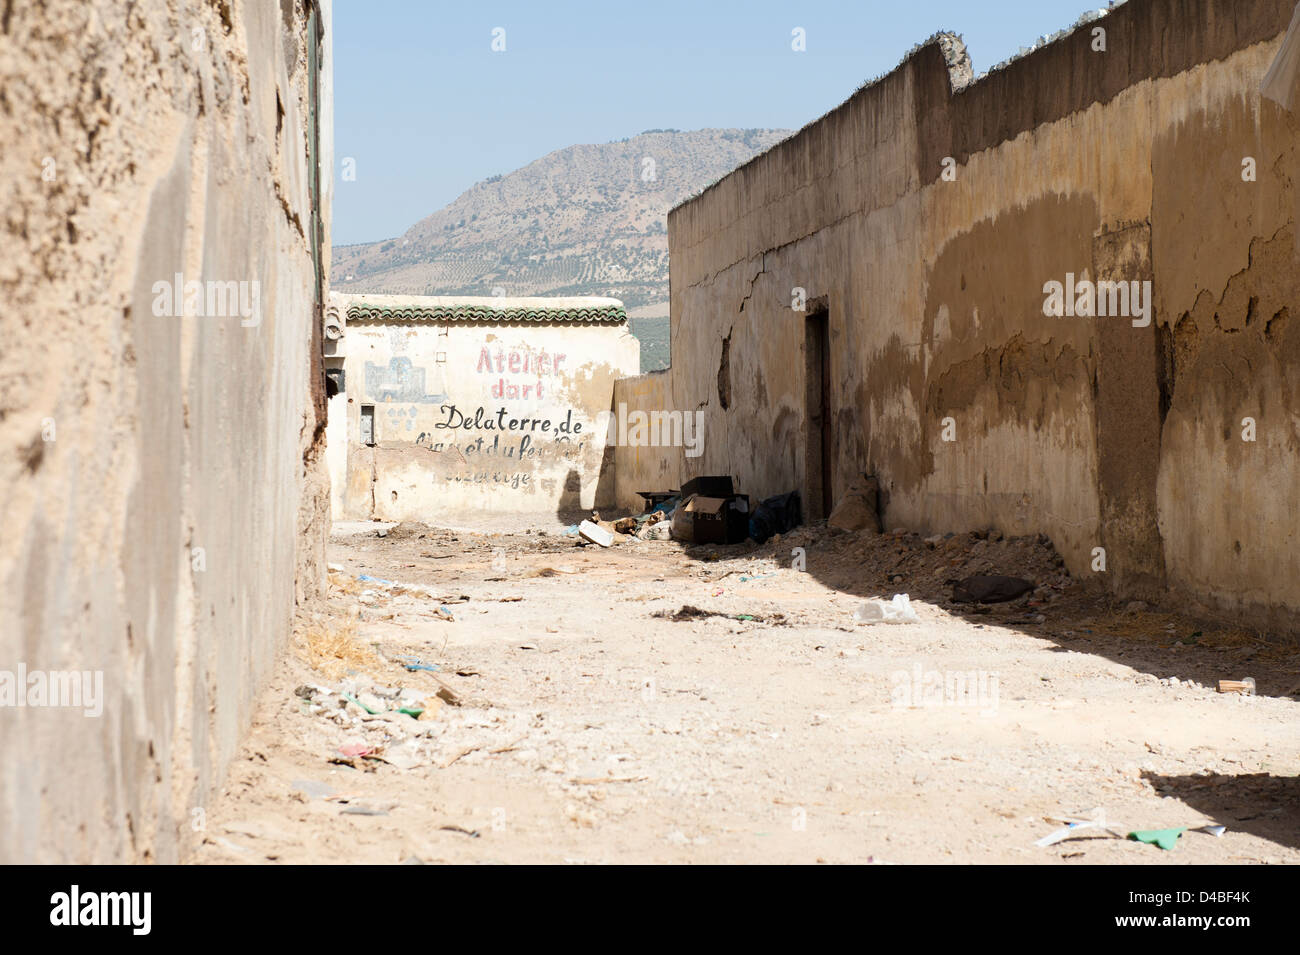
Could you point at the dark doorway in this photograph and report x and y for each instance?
(817, 375)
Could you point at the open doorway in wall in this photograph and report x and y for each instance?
(817, 425)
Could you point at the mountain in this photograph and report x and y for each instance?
(586, 220)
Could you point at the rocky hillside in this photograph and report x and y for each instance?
(587, 220)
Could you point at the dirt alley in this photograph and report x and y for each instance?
(585, 719)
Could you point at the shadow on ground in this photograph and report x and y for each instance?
(1076, 615)
(1261, 804)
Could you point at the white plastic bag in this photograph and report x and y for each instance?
(658, 532)
(898, 610)
(1279, 82)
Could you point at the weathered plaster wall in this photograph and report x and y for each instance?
(1125, 164)
(155, 466)
(645, 467)
(441, 393)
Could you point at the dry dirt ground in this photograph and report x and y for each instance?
(585, 719)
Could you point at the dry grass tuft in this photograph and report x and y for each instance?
(334, 648)
(1149, 627)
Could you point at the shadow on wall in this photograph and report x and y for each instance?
(568, 510)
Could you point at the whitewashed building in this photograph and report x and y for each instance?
(449, 407)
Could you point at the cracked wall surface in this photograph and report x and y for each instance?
(1125, 163)
(166, 499)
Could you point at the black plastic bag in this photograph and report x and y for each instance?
(776, 515)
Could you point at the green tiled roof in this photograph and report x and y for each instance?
(599, 314)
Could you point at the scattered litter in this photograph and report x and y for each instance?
(757, 577)
(444, 613)
(1093, 820)
(352, 699)
(989, 588)
(659, 500)
(718, 485)
(596, 534)
(658, 531)
(415, 663)
(1216, 831)
(721, 518)
(362, 811)
(687, 612)
(464, 752)
(472, 833)
(898, 610)
(775, 515)
(417, 589)
(357, 750)
(527, 646)
(551, 572)
(1245, 687)
(367, 764)
(1164, 838)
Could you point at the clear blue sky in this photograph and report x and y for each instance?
(426, 108)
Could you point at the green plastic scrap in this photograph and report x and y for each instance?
(353, 699)
(411, 711)
(1164, 838)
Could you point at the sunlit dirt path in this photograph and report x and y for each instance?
(577, 726)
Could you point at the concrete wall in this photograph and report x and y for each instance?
(1124, 163)
(441, 392)
(159, 467)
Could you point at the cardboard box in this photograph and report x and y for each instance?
(709, 486)
(712, 520)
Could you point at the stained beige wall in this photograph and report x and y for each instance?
(163, 487)
(1125, 163)
(646, 467)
